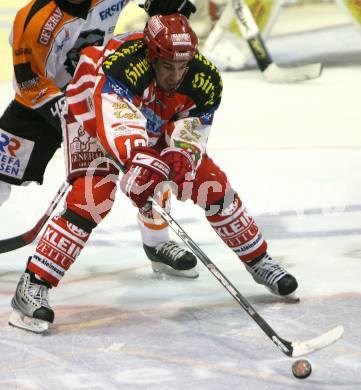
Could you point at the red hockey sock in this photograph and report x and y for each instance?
(57, 249)
(239, 231)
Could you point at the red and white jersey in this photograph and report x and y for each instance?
(114, 95)
(47, 38)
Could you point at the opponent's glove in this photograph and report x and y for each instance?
(145, 171)
(168, 7)
(181, 164)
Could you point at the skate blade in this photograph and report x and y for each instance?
(290, 298)
(166, 269)
(21, 321)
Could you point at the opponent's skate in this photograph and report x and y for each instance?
(31, 305)
(171, 259)
(271, 274)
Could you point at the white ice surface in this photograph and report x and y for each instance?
(293, 153)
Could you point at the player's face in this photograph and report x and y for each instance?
(169, 74)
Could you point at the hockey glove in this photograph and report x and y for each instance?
(168, 7)
(181, 164)
(145, 171)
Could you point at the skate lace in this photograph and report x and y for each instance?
(269, 270)
(39, 293)
(171, 249)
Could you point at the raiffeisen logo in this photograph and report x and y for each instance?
(9, 163)
(9, 144)
(15, 154)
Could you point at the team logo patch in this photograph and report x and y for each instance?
(14, 154)
(82, 149)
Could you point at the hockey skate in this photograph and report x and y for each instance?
(271, 274)
(169, 258)
(31, 306)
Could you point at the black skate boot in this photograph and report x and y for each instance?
(31, 304)
(271, 274)
(171, 259)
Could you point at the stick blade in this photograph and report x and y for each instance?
(275, 74)
(306, 347)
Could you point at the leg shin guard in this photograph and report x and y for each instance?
(153, 229)
(57, 249)
(238, 230)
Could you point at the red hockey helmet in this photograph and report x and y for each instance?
(169, 37)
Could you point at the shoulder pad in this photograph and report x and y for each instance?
(128, 64)
(203, 83)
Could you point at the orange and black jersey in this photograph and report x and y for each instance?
(47, 38)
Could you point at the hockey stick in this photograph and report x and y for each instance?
(12, 243)
(271, 71)
(292, 349)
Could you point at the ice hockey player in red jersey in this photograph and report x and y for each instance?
(149, 100)
(47, 38)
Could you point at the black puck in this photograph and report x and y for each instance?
(301, 369)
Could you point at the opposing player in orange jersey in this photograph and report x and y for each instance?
(149, 100)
